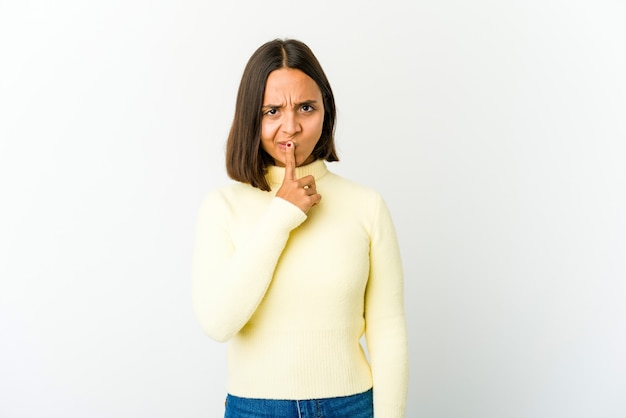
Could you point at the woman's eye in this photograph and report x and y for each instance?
(271, 112)
(307, 108)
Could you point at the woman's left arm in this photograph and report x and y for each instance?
(385, 323)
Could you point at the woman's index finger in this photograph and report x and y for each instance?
(290, 161)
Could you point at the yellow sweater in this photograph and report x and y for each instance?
(293, 292)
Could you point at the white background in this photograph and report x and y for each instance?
(495, 130)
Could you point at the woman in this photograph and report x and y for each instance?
(293, 264)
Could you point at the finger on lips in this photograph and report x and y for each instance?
(300, 191)
(290, 161)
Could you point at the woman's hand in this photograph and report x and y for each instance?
(301, 192)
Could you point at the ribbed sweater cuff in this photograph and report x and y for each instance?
(382, 410)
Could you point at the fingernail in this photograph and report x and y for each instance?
(289, 144)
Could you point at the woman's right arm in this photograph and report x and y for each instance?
(229, 281)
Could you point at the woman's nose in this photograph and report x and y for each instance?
(291, 124)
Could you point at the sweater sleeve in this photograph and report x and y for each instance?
(229, 281)
(386, 334)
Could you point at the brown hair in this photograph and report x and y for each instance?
(246, 161)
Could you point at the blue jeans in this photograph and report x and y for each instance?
(354, 406)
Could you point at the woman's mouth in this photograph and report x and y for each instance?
(283, 145)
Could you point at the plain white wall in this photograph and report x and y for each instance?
(495, 130)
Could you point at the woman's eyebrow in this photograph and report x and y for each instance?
(276, 106)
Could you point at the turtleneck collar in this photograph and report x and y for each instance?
(317, 169)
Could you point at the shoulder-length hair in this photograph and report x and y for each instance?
(246, 161)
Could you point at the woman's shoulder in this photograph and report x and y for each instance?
(351, 188)
(228, 194)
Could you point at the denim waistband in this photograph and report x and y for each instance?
(353, 406)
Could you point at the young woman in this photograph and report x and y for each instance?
(293, 263)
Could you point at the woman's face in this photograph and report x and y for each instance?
(293, 110)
